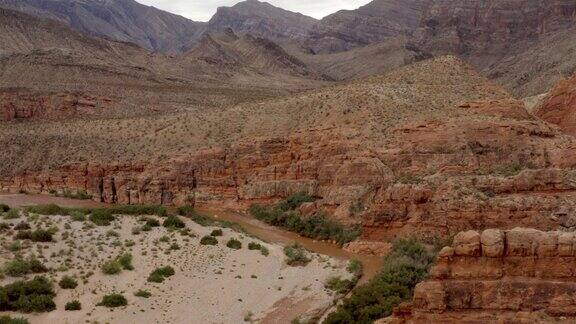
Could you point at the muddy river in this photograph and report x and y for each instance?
(254, 227)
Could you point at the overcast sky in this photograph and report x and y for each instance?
(202, 10)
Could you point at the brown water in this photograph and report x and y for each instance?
(265, 232)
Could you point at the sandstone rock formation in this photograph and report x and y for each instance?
(559, 106)
(513, 276)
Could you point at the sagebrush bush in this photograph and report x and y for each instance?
(22, 226)
(35, 295)
(143, 294)
(113, 300)
(74, 305)
(234, 244)
(102, 217)
(111, 267)
(22, 267)
(9, 320)
(77, 216)
(39, 235)
(216, 232)
(125, 261)
(296, 255)
(152, 222)
(174, 222)
(4, 208)
(160, 274)
(68, 282)
(208, 240)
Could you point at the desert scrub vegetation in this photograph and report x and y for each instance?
(173, 222)
(36, 295)
(216, 233)
(39, 235)
(68, 282)
(296, 255)
(9, 320)
(257, 246)
(234, 244)
(74, 305)
(79, 194)
(22, 267)
(208, 240)
(113, 300)
(4, 208)
(102, 217)
(12, 214)
(122, 262)
(405, 266)
(317, 226)
(339, 285)
(160, 274)
(143, 293)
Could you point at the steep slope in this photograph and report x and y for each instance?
(122, 20)
(559, 106)
(372, 23)
(261, 19)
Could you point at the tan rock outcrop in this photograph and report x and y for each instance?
(517, 276)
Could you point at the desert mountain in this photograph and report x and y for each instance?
(372, 23)
(262, 19)
(121, 20)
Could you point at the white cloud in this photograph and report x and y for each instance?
(202, 10)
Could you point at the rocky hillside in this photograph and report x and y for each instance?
(372, 23)
(261, 19)
(515, 276)
(121, 20)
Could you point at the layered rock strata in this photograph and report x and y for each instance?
(514, 276)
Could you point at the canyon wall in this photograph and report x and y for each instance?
(494, 166)
(514, 276)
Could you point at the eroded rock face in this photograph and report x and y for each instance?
(519, 275)
(559, 107)
(495, 166)
(25, 104)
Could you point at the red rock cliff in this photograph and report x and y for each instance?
(514, 276)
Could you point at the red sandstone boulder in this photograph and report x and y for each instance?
(467, 244)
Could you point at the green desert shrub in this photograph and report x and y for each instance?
(113, 300)
(111, 267)
(39, 235)
(143, 293)
(4, 208)
(186, 211)
(160, 274)
(80, 195)
(216, 232)
(339, 285)
(152, 222)
(405, 266)
(125, 261)
(22, 267)
(317, 226)
(234, 244)
(77, 216)
(35, 295)
(12, 214)
(51, 209)
(209, 240)
(157, 210)
(74, 305)
(9, 320)
(296, 255)
(102, 217)
(22, 226)
(173, 222)
(68, 282)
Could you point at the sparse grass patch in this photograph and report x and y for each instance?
(143, 294)
(9, 320)
(102, 217)
(173, 222)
